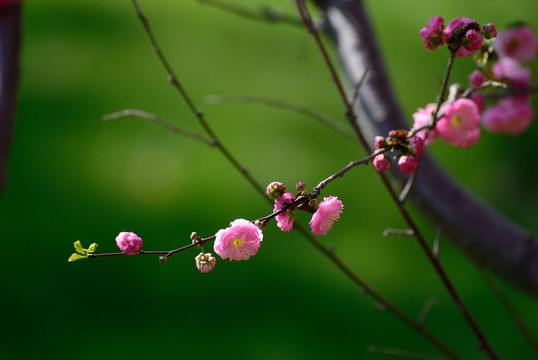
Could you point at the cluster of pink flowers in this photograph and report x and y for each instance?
(401, 146)
(129, 243)
(462, 35)
(459, 123)
(512, 114)
(328, 211)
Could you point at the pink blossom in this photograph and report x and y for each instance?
(205, 262)
(460, 124)
(432, 34)
(422, 118)
(275, 189)
(240, 241)
(510, 116)
(129, 243)
(463, 36)
(489, 31)
(408, 164)
(518, 42)
(509, 69)
(328, 212)
(286, 219)
(381, 163)
(477, 78)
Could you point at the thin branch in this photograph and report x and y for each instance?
(518, 320)
(358, 88)
(173, 79)
(152, 117)
(283, 104)
(404, 353)
(437, 243)
(398, 232)
(265, 14)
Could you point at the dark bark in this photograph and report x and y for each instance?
(10, 18)
(485, 235)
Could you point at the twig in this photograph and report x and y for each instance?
(428, 305)
(303, 109)
(404, 353)
(152, 117)
(265, 14)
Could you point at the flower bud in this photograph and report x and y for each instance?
(205, 262)
(408, 164)
(275, 190)
(381, 163)
(129, 243)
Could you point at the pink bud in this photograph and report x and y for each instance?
(432, 34)
(129, 243)
(205, 262)
(477, 78)
(489, 31)
(275, 189)
(407, 164)
(379, 142)
(381, 163)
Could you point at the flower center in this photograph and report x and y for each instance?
(238, 242)
(456, 120)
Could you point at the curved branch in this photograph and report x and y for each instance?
(10, 18)
(484, 234)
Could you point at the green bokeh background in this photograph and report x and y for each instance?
(73, 177)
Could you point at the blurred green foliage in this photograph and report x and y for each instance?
(73, 177)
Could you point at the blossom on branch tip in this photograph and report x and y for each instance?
(205, 262)
(408, 164)
(463, 36)
(519, 43)
(328, 212)
(285, 220)
(129, 243)
(432, 34)
(275, 189)
(240, 241)
(381, 163)
(460, 123)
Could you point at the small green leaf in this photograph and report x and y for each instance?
(92, 248)
(78, 248)
(75, 257)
